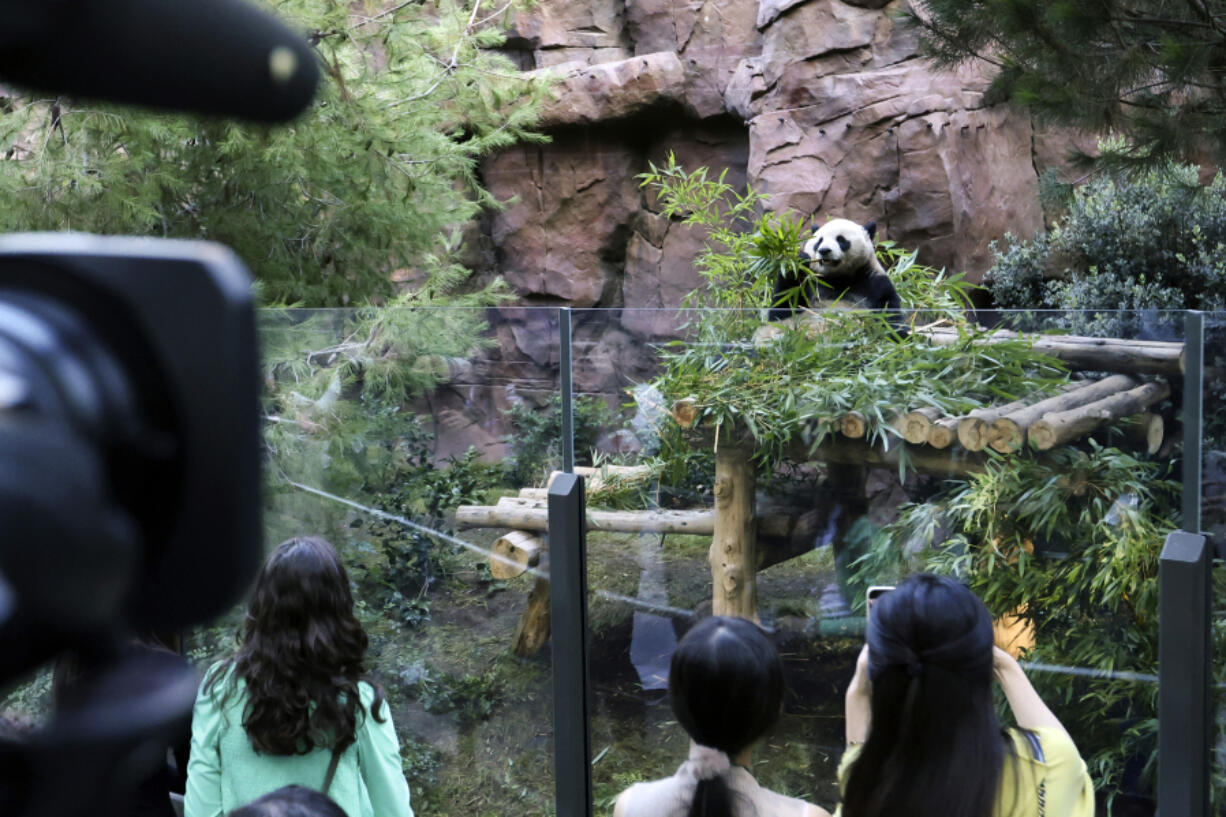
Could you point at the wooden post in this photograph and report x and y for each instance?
(534, 623)
(733, 553)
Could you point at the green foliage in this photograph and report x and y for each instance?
(471, 697)
(1147, 69)
(1127, 246)
(536, 436)
(1154, 241)
(798, 384)
(378, 176)
(1071, 541)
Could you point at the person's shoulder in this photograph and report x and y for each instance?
(652, 798)
(1049, 745)
(217, 679)
(773, 804)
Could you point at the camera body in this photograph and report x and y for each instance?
(129, 489)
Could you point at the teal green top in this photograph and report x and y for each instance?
(224, 772)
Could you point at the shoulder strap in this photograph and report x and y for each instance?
(336, 758)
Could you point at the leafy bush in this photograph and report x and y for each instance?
(536, 436)
(1155, 241)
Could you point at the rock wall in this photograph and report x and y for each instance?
(823, 105)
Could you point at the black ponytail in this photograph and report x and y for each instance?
(725, 686)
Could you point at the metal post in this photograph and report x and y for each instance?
(567, 385)
(1193, 417)
(1184, 709)
(571, 687)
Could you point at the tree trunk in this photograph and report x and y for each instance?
(733, 554)
(1055, 428)
(1008, 433)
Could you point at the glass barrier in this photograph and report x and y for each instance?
(379, 426)
(1032, 456)
(1213, 523)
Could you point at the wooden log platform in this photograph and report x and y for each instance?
(535, 517)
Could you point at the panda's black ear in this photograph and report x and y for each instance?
(871, 229)
(816, 227)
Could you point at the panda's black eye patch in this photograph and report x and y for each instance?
(844, 244)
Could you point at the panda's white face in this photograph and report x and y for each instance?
(839, 247)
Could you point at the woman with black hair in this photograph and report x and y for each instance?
(293, 706)
(725, 685)
(922, 733)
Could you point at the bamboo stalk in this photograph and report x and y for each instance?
(1008, 433)
(1055, 428)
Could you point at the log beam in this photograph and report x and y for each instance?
(514, 553)
(1086, 353)
(697, 522)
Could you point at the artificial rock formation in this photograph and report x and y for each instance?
(823, 105)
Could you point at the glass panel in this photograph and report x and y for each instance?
(1054, 514)
(1213, 522)
(379, 424)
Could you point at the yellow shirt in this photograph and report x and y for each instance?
(1044, 776)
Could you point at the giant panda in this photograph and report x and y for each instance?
(843, 271)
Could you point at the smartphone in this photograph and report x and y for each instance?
(875, 592)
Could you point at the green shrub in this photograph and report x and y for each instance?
(536, 436)
(1154, 241)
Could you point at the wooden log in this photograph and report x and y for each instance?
(698, 522)
(597, 478)
(1145, 431)
(532, 631)
(1085, 353)
(1055, 428)
(950, 463)
(685, 412)
(914, 425)
(974, 429)
(1008, 433)
(521, 502)
(733, 554)
(943, 432)
(534, 493)
(853, 424)
(514, 553)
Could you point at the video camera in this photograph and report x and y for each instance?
(129, 405)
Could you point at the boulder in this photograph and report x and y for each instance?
(589, 94)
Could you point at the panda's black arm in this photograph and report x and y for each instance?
(889, 300)
(787, 296)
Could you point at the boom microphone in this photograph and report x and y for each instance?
(205, 56)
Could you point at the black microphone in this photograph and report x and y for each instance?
(204, 56)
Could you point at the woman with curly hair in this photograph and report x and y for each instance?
(292, 706)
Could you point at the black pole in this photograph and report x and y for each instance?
(1184, 708)
(567, 385)
(568, 616)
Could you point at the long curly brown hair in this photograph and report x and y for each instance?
(301, 654)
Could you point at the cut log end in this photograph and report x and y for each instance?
(514, 553)
(685, 412)
(914, 425)
(942, 434)
(1005, 436)
(973, 433)
(853, 425)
